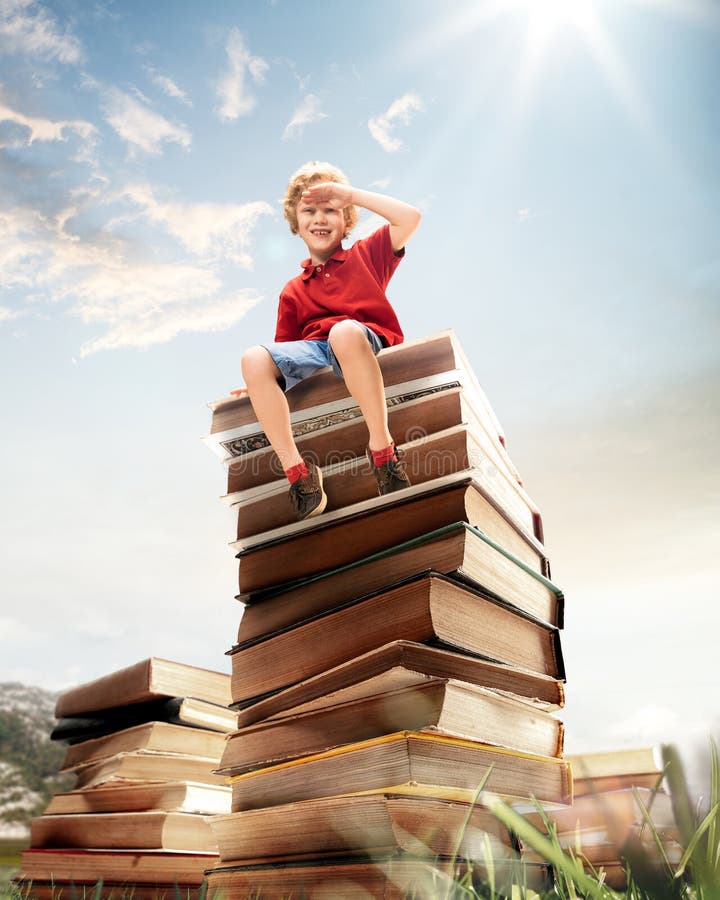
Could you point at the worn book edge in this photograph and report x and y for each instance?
(395, 737)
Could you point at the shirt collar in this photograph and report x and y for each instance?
(309, 269)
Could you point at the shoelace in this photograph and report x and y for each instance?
(301, 486)
(393, 467)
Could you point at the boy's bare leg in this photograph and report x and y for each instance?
(270, 404)
(363, 378)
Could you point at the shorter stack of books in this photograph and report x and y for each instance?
(621, 815)
(143, 743)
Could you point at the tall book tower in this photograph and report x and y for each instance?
(394, 653)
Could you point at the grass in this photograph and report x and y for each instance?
(649, 877)
(99, 891)
(695, 877)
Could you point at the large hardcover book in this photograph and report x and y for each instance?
(114, 890)
(342, 437)
(457, 550)
(177, 710)
(349, 480)
(151, 737)
(172, 796)
(618, 812)
(363, 823)
(406, 763)
(123, 866)
(412, 366)
(612, 770)
(139, 766)
(149, 679)
(429, 609)
(387, 878)
(125, 831)
(399, 665)
(345, 535)
(599, 849)
(451, 708)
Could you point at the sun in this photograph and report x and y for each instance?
(547, 23)
(539, 32)
(545, 18)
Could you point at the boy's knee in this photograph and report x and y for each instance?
(346, 334)
(256, 361)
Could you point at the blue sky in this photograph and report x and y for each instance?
(565, 157)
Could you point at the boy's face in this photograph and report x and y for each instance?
(321, 227)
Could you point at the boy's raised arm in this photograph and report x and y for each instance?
(402, 217)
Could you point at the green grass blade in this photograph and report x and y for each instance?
(699, 832)
(682, 807)
(473, 804)
(568, 866)
(713, 847)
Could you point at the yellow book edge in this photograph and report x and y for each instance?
(443, 792)
(394, 738)
(627, 761)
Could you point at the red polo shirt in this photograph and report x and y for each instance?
(350, 285)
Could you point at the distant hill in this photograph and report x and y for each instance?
(29, 760)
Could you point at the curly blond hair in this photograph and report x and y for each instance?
(312, 173)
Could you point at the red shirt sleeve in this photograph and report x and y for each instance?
(377, 249)
(287, 328)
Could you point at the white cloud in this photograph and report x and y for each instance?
(308, 111)
(381, 184)
(28, 27)
(128, 298)
(7, 314)
(220, 230)
(47, 129)
(21, 254)
(235, 98)
(156, 318)
(401, 111)
(525, 214)
(124, 290)
(138, 303)
(168, 86)
(140, 126)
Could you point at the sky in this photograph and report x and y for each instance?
(564, 154)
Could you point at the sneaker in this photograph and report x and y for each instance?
(307, 496)
(391, 476)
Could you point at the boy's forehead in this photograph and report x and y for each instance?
(312, 204)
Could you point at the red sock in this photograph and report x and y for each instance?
(380, 457)
(295, 473)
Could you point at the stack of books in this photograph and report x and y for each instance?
(393, 653)
(621, 815)
(143, 743)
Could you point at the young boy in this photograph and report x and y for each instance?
(334, 313)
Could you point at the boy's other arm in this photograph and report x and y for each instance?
(402, 217)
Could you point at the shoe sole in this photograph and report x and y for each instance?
(393, 490)
(323, 503)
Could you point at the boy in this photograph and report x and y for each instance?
(335, 313)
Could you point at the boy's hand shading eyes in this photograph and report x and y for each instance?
(336, 195)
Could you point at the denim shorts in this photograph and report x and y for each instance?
(298, 359)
